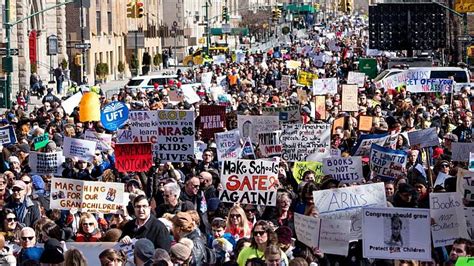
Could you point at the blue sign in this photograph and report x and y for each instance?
(7, 135)
(114, 115)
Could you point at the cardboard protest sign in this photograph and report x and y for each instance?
(425, 137)
(344, 169)
(199, 147)
(249, 182)
(320, 107)
(7, 135)
(228, 145)
(286, 114)
(356, 78)
(114, 115)
(211, 120)
(365, 123)
(86, 196)
(299, 168)
(175, 135)
(306, 78)
(72, 102)
(461, 151)
(310, 142)
(104, 141)
(387, 163)
(365, 141)
(465, 184)
(338, 122)
(143, 129)
(46, 163)
(325, 86)
(430, 85)
(41, 141)
(448, 215)
(396, 233)
(346, 204)
(133, 157)
(350, 98)
(251, 125)
(79, 149)
(269, 143)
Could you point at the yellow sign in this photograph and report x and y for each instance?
(464, 6)
(201, 40)
(306, 78)
(301, 167)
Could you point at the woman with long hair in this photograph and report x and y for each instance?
(10, 226)
(237, 224)
(88, 229)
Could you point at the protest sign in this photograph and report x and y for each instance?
(228, 145)
(79, 149)
(425, 137)
(324, 86)
(320, 107)
(285, 82)
(387, 163)
(286, 114)
(199, 147)
(461, 151)
(41, 141)
(356, 78)
(206, 79)
(440, 179)
(251, 125)
(247, 151)
(469, 215)
(86, 196)
(465, 184)
(7, 135)
(430, 85)
(175, 135)
(338, 122)
(344, 169)
(350, 98)
(471, 161)
(368, 66)
(334, 236)
(143, 129)
(306, 78)
(269, 143)
(307, 230)
(293, 64)
(310, 142)
(249, 182)
(396, 233)
(114, 115)
(302, 95)
(365, 141)
(447, 213)
(104, 141)
(299, 168)
(211, 120)
(346, 204)
(365, 123)
(189, 92)
(218, 59)
(133, 157)
(46, 163)
(72, 102)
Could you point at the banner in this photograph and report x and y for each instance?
(133, 157)
(447, 213)
(79, 149)
(365, 141)
(104, 141)
(286, 114)
(46, 163)
(269, 143)
(400, 79)
(143, 129)
(251, 125)
(344, 169)
(346, 203)
(211, 120)
(356, 78)
(249, 182)
(461, 151)
(306, 78)
(320, 107)
(41, 141)
(425, 137)
(350, 98)
(325, 86)
(396, 233)
(465, 184)
(299, 168)
(228, 145)
(387, 163)
(330, 236)
(365, 123)
(430, 85)
(199, 147)
(7, 135)
(114, 115)
(86, 196)
(310, 142)
(175, 136)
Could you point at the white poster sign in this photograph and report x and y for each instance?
(324, 86)
(46, 163)
(425, 137)
(357, 78)
(306, 142)
(104, 141)
(175, 138)
(251, 125)
(143, 129)
(228, 145)
(461, 151)
(344, 169)
(79, 149)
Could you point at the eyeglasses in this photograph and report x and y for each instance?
(259, 233)
(141, 206)
(27, 182)
(167, 196)
(26, 238)
(444, 165)
(234, 215)
(11, 219)
(195, 186)
(89, 224)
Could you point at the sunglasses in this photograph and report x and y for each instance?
(26, 238)
(89, 224)
(234, 215)
(11, 219)
(259, 233)
(195, 186)
(445, 165)
(16, 190)
(27, 182)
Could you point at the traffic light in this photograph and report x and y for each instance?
(275, 14)
(349, 6)
(225, 13)
(78, 60)
(278, 13)
(140, 10)
(342, 5)
(131, 10)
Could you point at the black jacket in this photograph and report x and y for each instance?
(31, 213)
(197, 201)
(181, 207)
(199, 248)
(153, 230)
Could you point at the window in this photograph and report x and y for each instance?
(99, 26)
(109, 21)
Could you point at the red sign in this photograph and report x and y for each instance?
(212, 120)
(32, 43)
(133, 157)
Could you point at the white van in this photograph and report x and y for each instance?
(147, 82)
(461, 75)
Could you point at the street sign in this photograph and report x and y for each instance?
(83, 46)
(465, 38)
(3, 51)
(226, 28)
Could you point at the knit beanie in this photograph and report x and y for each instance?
(182, 249)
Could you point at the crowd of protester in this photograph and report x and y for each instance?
(175, 216)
